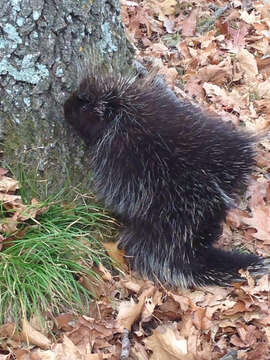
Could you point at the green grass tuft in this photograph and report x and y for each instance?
(39, 272)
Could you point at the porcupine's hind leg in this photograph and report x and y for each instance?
(168, 262)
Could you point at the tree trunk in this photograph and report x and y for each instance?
(40, 43)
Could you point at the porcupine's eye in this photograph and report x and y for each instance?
(85, 106)
(83, 102)
(82, 95)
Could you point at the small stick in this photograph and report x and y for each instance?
(125, 345)
(247, 4)
(231, 355)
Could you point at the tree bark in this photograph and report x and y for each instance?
(40, 43)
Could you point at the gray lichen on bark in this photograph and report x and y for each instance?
(40, 42)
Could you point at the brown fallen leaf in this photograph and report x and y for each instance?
(7, 198)
(1, 241)
(129, 311)
(131, 285)
(8, 225)
(23, 354)
(247, 63)
(66, 350)
(194, 88)
(3, 171)
(148, 309)
(238, 36)
(115, 253)
(190, 23)
(263, 89)
(201, 320)
(167, 344)
(238, 307)
(65, 321)
(34, 337)
(247, 336)
(138, 352)
(8, 184)
(249, 18)
(168, 7)
(9, 331)
(215, 74)
(105, 274)
(260, 222)
(170, 74)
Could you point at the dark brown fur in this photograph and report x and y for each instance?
(170, 171)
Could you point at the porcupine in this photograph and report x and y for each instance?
(170, 171)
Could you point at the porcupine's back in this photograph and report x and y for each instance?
(150, 148)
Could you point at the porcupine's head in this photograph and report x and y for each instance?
(99, 100)
(88, 112)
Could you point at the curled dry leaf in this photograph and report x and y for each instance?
(247, 336)
(10, 199)
(3, 171)
(34, 337)
(220, 96)
(148, 309)
(9, 331)
(129, 311)
(167, 344)
(116, 254)
(262, 286)
(65, 351)
(9, 225)
(168, 7)
(19, 210)
(8, 184)
(105, 274)
(201, 320)
(248, 18)
(189, 24)
(131, 285)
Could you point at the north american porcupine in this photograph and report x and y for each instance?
(170, 170)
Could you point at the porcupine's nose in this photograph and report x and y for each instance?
(69, 109)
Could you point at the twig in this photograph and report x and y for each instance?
(231, 355)
(213, 19)
(247, 4)
(125, 345)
